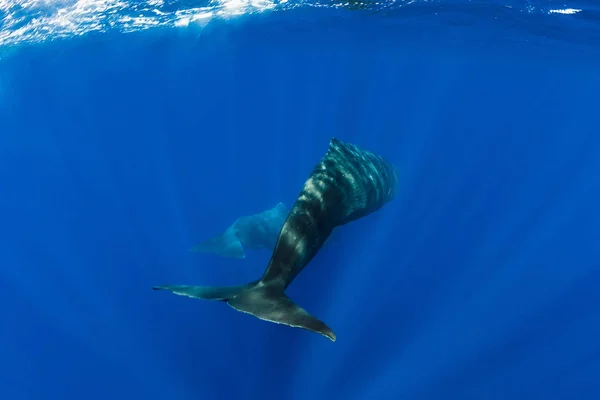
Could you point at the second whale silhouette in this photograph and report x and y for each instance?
(257, 231)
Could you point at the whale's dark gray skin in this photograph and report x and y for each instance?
(255, 231)
(347, 184)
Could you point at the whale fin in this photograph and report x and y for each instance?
(271, 304)
(264, 301)
(225, 245)
(219, 293)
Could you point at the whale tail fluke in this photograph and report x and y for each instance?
(222, 293)
(270, 303)
(264, 301)
(225, 245)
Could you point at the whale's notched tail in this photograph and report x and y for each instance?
(266, 301)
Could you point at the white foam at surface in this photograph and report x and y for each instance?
(41, 20)
(27, 21)
(566, 11)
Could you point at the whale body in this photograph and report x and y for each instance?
(347, 184)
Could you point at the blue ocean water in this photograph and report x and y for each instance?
(129, 131)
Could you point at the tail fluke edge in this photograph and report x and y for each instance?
(222, 293)
(263, 301)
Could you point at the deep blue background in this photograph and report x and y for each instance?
(479, 281)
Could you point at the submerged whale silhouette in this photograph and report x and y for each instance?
(255, 231)
(347, 184)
